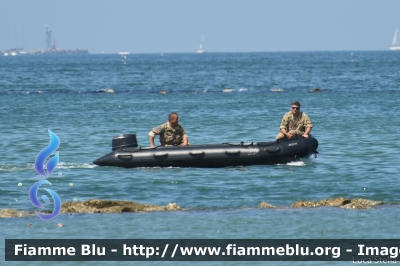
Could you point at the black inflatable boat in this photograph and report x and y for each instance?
(127, 153)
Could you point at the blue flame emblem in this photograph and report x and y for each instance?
(45, 153)
(50, 166)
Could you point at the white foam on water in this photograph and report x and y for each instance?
(63, 165)
(296, 163)
(15, 168)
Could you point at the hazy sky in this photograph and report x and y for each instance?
(175, 26)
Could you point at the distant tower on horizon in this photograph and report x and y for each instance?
(48, 37)
(54, 47)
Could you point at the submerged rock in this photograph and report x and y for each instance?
(335, 202)
(9, 213)
(300, 203)
(265, 205)
(113, 206)
(118, 206)
(106, 90)
(359, 203)
(355, 203)
(172, 207)
(317, 90)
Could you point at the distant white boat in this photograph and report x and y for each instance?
(395, 46)
(201, 49)
(123, 53)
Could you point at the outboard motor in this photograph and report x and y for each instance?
(124, 141)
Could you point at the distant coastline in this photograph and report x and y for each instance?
(21, 51)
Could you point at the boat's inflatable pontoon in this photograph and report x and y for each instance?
(127, 153)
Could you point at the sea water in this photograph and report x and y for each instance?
(220, 97)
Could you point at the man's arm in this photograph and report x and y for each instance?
(159, 130)
(308, 126)
(185, 137)
(185, 141)
(152, 134)
(151, 140)
(307, 132)
(284, 125)
(288, 135)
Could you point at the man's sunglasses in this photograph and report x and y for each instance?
(295, 108)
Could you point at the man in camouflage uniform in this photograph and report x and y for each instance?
(171, 132)
(295, 124)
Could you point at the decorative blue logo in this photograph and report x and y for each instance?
(50, 166)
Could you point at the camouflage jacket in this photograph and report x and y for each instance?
(300, 123)
(169, 135)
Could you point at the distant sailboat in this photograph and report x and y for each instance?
(201, 49)
(395, 46)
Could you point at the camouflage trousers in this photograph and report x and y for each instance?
(295, 133)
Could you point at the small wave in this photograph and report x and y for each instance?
(111, 91)
(61, 165)
(15, 168)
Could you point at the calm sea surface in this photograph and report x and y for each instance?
(356, 121)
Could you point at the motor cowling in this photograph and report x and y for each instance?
(124, 141)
